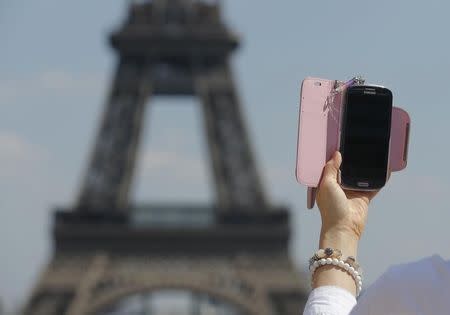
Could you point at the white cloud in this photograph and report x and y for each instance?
(57, 82)
(165, 175)
(180, 167)
(60, 80)
(17, 155)
(27, 187)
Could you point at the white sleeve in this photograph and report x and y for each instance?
(329, 300)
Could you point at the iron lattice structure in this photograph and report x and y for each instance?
(106, 250)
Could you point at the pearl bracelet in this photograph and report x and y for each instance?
(340, 264)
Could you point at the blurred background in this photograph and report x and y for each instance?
(56, 68)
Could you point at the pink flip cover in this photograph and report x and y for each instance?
(318, 133)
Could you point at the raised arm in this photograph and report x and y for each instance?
(344, 215)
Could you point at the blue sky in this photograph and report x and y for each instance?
(54, 73)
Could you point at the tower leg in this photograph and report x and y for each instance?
(237, 182)
(108, 177)
(91, 278)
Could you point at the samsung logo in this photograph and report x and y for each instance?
(370, 92)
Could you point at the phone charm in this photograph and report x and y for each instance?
(339, 87)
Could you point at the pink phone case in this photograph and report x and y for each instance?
(313, 120)
(318, 133)
(401, 124)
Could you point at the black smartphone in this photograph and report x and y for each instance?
(365, 137)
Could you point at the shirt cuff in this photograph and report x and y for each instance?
(329, 300)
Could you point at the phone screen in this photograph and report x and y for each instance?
(365, 137)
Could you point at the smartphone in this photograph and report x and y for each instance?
(365, 137)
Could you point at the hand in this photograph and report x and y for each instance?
(342, 211)
(344, 215)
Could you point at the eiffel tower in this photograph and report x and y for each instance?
(111, 257)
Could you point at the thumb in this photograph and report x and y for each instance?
(331, 169)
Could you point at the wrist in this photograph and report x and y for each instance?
(347, 243)
(342, 239)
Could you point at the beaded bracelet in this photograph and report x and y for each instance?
(329, 256)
